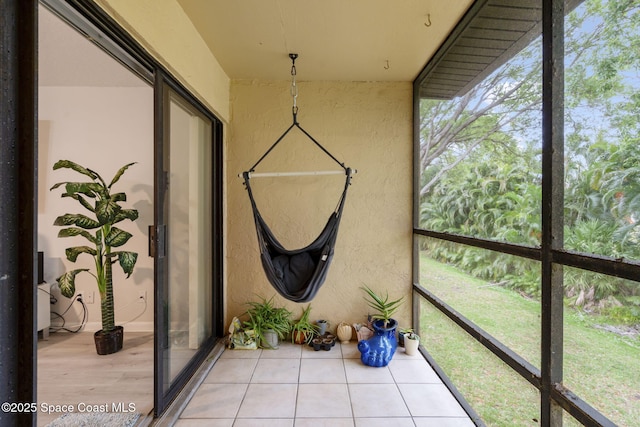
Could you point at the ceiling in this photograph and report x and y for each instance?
(354, 40)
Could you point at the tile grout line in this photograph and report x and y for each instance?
(295, 404)
(395, 382)
(346, 378)
(246, 390)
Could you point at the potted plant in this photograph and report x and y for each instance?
(268, 322)
(402, 332)
(322, 326)
(383, 308)
(378, 350)
(302, 330)
(411, 342)
(99, 229)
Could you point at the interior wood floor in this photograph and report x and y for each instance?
(70, 372)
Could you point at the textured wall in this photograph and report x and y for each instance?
(366, 125)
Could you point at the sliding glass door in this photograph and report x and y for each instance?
(187, 241)
(189, 235)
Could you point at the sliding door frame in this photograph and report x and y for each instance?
(94, 23)
(163, 86)
(18, 194)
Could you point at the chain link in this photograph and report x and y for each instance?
(294, 88)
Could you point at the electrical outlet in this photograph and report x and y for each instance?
(142, 296)
(89, 297)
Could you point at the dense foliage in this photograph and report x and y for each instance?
(481, 164)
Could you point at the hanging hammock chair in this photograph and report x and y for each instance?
(297, 274)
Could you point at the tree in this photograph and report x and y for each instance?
(480, 163)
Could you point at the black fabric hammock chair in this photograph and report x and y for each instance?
(297, 274)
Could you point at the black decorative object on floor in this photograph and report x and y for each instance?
(297, 274)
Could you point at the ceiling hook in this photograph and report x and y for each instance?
(428, 23)
(386, 67)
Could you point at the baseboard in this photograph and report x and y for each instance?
(128, 327)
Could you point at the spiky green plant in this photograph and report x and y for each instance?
(96, 197)
(263, 315)
(304, 326)
(383, 307)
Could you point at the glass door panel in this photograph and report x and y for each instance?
(188, 213)
(189, 235)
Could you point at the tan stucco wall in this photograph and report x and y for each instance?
(165, 31)
(366, 125)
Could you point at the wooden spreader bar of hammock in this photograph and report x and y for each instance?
(301, 173)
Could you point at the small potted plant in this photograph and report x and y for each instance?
(402, 333)
(379, 350)
(383, 308)
(268, 322)
(98, 227)
(322, 326)
(411, 343)
(302, 330)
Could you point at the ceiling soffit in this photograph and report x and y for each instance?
(355, 40)
(489, 34)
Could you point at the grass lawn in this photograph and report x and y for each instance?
(603, 368)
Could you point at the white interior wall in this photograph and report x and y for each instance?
(102, 129)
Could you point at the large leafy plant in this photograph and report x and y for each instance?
(99, 229)
(263, 315)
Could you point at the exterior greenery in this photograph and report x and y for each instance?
(96, 197)
(480, 160)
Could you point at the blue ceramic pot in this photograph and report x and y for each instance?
(378, 350)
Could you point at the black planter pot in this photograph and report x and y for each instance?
(109, 342)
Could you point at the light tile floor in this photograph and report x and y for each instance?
(296, 386)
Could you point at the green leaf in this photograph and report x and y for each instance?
(127, 261)
(119, 173)
(89, 189)
(131, 214)
(80, 199)
(73, 231)
(67, 282)
(381, 304)
(57, 185)
(76, 167)
(106, 211)
(119, 197)
(81, 221)
(117, 237)
(72, 253)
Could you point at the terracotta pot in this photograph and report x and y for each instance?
(299, 337)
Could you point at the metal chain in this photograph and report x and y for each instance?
(294, 87)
